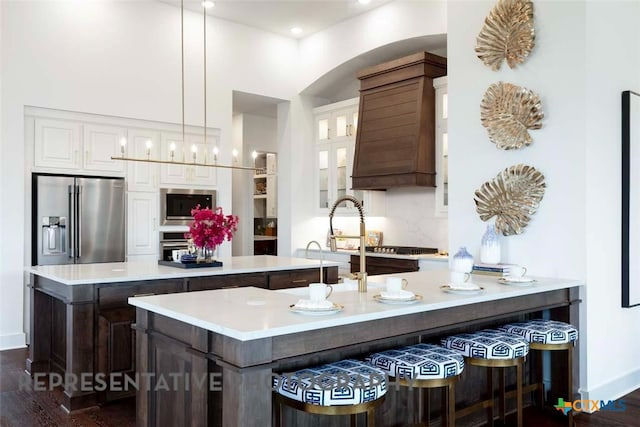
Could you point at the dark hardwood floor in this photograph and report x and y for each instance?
(21, 408)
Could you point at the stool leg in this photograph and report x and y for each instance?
(354, 420)
(444, 408)
(519, 390)
(502, 403)
(426, 406)
(570, 381)
(540, 377)
(490, 390)
(451, 404)
(371, 417)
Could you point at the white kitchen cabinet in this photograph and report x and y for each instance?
(336, 126)
(442, 147)
(74, 147)
(57, 144)
(187, 174)
(142, 176)
(142, 220)
(100, 143)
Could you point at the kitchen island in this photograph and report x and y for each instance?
(241, 337)
(81, 322)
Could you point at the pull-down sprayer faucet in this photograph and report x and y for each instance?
(362, 274)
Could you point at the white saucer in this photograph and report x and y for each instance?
(461, 291)
(412, 300)
(316, 311)
(521, 281)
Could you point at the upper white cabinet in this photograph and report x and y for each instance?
(100, 144)
(142, 176)
(442, 147)
(76, 147)
(195, 151)
(57, 144)
(335, 135)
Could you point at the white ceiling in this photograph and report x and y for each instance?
(280, 16)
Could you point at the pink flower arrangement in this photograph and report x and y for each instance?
(210, 228)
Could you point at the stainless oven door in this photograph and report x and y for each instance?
(170, 241)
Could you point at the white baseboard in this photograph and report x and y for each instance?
(615, 388)
(8, 342)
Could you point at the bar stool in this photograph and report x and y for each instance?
(348, 387)
(548, 335)
(424, 366)
(493, 349)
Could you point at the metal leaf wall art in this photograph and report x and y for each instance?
(512, 197)
(507, 33)
(508, 112)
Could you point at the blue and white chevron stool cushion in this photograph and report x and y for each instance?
(543, 331)
(348, 382)
(420, 361)
(488, 344)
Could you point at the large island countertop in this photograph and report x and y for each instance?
(246, 335)
(81, 274)
(252, 313)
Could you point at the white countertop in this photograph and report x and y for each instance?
(79, 274)
(253, 313)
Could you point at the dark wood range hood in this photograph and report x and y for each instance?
(395, 141)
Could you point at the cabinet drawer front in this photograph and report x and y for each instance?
(382, 265)
(258, 280)
(117, 295)
(293, 279)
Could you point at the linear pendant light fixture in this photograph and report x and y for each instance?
(194, 148)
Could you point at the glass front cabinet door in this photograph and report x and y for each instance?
(335, 137)
(442, 147)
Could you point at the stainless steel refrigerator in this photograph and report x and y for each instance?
(78, 220)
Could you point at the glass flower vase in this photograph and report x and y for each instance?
(206, 254)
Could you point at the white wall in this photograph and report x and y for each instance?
(613, 346)
(121, 59)
(399, 20)
(576, 231)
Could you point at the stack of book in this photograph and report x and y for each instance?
(498, 270)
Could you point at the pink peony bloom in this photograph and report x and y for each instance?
(211, 228)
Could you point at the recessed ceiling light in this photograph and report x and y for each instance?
(296, 30)
(207, 4)
(364, 1)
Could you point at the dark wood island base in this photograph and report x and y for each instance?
(82, 332)
(241, 370)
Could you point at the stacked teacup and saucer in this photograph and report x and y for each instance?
(396, 293)
(460, 274)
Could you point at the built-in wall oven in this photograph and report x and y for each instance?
(176, 204)
(169, 241)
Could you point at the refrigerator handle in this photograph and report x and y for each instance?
(79, 220)
(72, 221)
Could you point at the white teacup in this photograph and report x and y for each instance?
(459, 278)
(395, 284)
(517, 271)
(319, 291)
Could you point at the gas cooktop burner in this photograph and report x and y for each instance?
(401, 250)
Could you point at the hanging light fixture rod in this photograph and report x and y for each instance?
(169, 162)
(194, 149)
